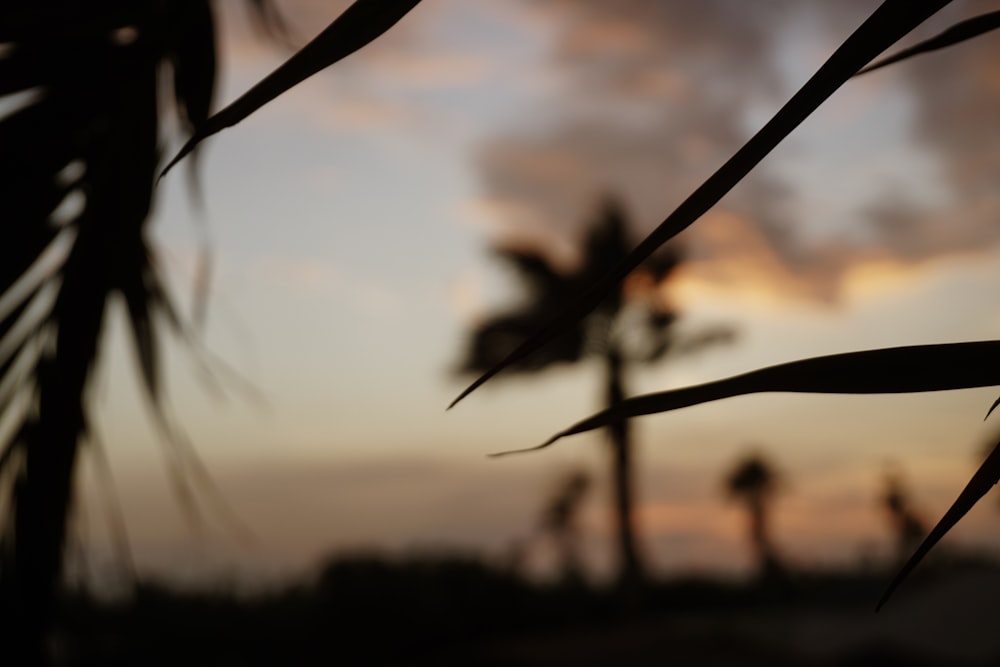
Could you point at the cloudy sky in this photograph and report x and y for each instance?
(349, 223)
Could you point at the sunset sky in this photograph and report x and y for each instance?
(349, 225)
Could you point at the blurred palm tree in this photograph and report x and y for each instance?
(754, 482)
(634, 324)
(83, 95)
(559, 522)
(908, 528)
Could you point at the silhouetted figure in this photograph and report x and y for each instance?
(908, 528)
(559, 523)
(754, 482)
(634, 324)
(89, 137)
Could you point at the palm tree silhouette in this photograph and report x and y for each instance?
(80, 126)
(649, 336)
(754, 482)
(908, 527)
(559, 521)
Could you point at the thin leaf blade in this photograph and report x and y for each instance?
(960, 32)
(361, 23)
(982, 481)
(897, 370)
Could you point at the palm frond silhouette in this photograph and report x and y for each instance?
(81, 129)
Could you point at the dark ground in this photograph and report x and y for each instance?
(452, 611)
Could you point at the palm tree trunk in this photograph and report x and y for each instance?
(758, 529)
(770, 567)
(631, 574)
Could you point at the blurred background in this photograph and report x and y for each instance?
(350, 224)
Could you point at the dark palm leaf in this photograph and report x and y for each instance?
(362, 22)
(985, 479)
(81, 151)
(957, 33)
(895, 370)
(548, 289)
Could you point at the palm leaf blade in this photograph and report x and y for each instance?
(982, 481)
(360, 24)
(957, 33)
(911, 369)
(194, 62)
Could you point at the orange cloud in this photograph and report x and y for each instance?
(430, 70)
(715, 520)
(600, 38)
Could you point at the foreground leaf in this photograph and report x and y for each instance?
(894, 370)
(984, 479)
(360, 24)
(891, 21)
(959, 32)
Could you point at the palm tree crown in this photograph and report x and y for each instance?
(549, 289)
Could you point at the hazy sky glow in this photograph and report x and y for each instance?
(349, 223)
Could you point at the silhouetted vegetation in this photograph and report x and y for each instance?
(559, 524)
(891, 370)
(602, 334)
(907, 526)
(754, 482)
(449, 610)
(81, 153)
